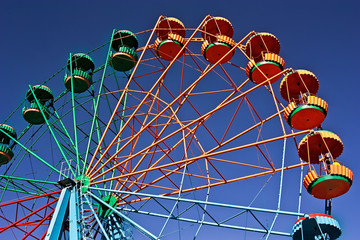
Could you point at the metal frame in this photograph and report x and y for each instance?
(124, 175)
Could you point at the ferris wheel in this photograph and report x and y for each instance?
(171, 133)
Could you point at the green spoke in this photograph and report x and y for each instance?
(28, 179)
(98, 98)
(50, 129)
(19, 191)
(74, 115)
(35, 155)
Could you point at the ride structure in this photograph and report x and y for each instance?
(177, 134)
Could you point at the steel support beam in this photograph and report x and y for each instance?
(57, 222)
(74, 227)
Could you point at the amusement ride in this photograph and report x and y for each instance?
(171, 133)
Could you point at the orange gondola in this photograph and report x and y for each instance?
(169, 48)
(216, 26)
(269, 67)
(169, 25)
(171, 38)
(259, 43)
(214, 51)
(319, 143)
(298, 82)
(335, 183)
(306, 115)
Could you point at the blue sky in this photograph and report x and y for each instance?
(320, 36)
